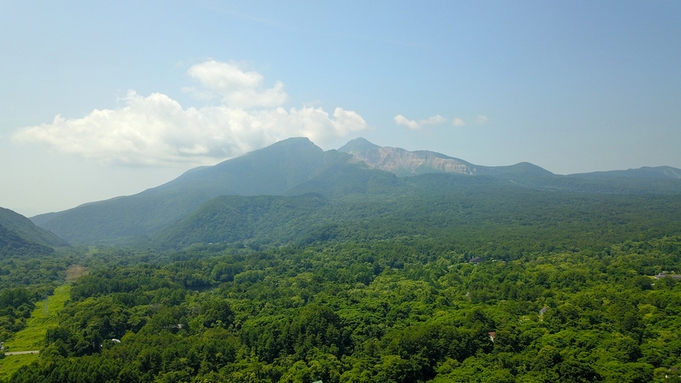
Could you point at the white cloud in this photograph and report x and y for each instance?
(237, 87)
(224, 77)
(411, 124)
(435, 120)
(481, 120)
(458, 122)
(157, 130)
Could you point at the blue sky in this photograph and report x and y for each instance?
(146, 90)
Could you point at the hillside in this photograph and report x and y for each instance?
(27, 230)
(404, 163)
(121, 219)
(273, 170)
(481, 213)
(230, 219)
(13, 245)
(659, 172)
(290, 167)
(20, 237)
(359, 170)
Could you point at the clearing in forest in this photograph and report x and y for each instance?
(31, 338)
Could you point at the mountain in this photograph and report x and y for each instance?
(273, 170)
(455, 206)
(229, 219)
(647, 172)
(20, 237)
(119, 219)
(289, 167)
(359, 172)
(12, 245)
(24, 228)
(408, 163)
(405, 163)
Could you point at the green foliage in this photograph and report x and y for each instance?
(480, 215)
(15, 307)
(231, 219)
(12, 245)
(402, 310)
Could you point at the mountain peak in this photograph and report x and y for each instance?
(358, 145)
(294, 141)
(293, 144)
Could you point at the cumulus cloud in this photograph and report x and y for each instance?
(435, 120)
(481, 120)
(457, 122)
(157, 130)
(237, 87)
(412, 124)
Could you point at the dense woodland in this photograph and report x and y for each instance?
(490, 302)
(324, 270)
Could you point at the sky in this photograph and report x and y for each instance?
(109, 98)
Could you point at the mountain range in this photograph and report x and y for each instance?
(294, 191)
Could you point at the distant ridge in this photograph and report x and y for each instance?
(405, 163)
(27, 230)
(20, 237)
(12, 245)
(409, 163)
(358, 171)
(659, 172)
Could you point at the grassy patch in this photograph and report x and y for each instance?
(12, 363)
(43, 317)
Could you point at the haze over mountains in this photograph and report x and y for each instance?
(290, 189)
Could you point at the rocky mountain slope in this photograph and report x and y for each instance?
(404, 163)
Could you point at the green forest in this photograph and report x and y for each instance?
(519, 286)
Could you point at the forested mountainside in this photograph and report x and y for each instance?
(27, 230)
(296, 167)
(499, 215)
(19, 237)
(13, 245)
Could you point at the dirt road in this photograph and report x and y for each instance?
(22, 352)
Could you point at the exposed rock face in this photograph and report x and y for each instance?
(403, 162)
(399, 161)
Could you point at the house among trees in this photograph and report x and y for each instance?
(476, 260)
(664, 274)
